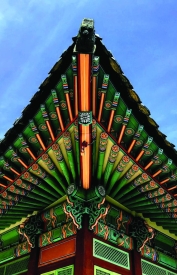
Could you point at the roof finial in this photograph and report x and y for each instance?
(85, 42)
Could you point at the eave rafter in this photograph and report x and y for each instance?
(84, 133)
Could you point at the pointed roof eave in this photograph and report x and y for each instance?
(117, 78)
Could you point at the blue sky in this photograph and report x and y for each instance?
(141, 34)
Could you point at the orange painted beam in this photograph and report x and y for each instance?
(75, 96)
(86, 156)
(131, 145)
(140, 155)
(157, 173)
(164, 181)
(60, 118)
(101, 106)
(172, 188)
(84, 75)
(110, 120)
(50, 130)
(3, 185)
(7, 178)
(94, 95)
(148, 165)
(22, 163)
(84, 105)
(30, 153)
(69, 106)
(40, 141)
(13, 170)
(121, 134)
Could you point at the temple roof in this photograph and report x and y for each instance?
(41, 155)
(128, 94)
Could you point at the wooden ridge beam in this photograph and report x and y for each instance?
(85, 117)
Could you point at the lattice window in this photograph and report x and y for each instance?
(111, 254)
(151, 269)
(15, 267)
(101, 271)
(68, 270)
(2, 270)
(171, 273)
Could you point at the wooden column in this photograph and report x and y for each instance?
(84, 251)
(33, 262)
(136, 263)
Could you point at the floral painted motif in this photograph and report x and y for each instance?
(132, 171)
(36, 168)
(64, 231)
(118, 119)
(93, 129)
(102, 230)
(149, 252)
(74, 211)
(33, 140)
(85, 118)
(159, 191)
(124, 161)
(63, 105)
(67, 140)
(45, 157)
(125, 242)
(53, 116)
(27, 177)
(108, 105)
(107, 233)
(10, 196)
(22, 249)
(49, 219)
(148, 153)
(140, 230)
(103, 141)
(123, 222)
(76, 131)
(113, 153)
(30, 229)
(45, 239)
(98, 211)
(139, 143)
(149, 186)
(57, 152)
(141, 179)
(129, 132)
(42, 127)
(17, 191)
